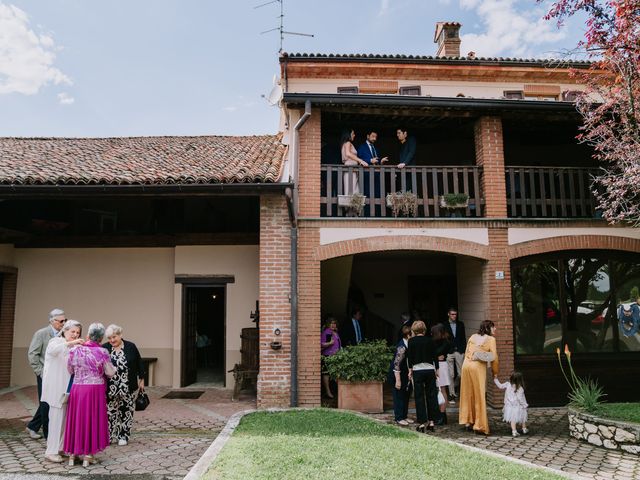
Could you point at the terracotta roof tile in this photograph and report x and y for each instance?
(141, 160)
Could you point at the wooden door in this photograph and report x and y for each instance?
(189, 327)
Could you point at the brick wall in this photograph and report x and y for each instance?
(490, 156)
(498, 307)
(8, 284)
(274, 379)
(308, 317)
(309, 167)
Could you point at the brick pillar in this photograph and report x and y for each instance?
(274, 379)
(8, 286)
(309, 167)
(498, 305)
(308, 318)
(490, 156)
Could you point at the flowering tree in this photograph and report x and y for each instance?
(610, 106)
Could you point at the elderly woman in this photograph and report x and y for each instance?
(55, 382)
(123, 385)
(87, 427)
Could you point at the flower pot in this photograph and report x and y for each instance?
(363, 397)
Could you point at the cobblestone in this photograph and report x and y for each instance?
(167, 439)
(547, 444)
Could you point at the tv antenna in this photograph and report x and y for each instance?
(280, 28)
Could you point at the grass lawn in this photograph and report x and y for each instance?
(629, 412)
(328, 444)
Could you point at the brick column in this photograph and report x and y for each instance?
(309, 167)
(308, 318)
(8, 286)
(499, 309)
(274, 379)
(490, 156)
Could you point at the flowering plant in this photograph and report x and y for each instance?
(584, 393)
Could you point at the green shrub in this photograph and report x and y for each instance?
(366, 362)
(455, 198)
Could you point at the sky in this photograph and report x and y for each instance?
(89, 68)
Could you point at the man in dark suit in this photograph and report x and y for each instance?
(407, 148)
(367, 152)
(352, 332)
(455, 328)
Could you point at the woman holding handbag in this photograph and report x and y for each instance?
(481, 351)
(55, 383)
(122, 387)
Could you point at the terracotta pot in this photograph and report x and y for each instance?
(360, 396)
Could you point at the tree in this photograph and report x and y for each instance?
(610, 107)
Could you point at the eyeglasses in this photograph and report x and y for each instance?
(61, 321)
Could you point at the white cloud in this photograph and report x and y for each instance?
(65, 99)
(512, 28)
(26, 57)
(384, 8)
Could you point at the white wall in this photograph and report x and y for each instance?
(132, 287)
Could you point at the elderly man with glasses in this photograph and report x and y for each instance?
(37, 349)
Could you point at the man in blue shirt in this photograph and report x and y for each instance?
(367, 152)
(352, 332)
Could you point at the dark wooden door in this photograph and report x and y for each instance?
(189, 328)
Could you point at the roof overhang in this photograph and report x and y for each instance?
(167, 190)
(458, 106)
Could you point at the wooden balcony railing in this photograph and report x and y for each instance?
(429, 183)
(555, 192)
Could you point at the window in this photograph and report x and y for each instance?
(513, 94)
(353, 89)
(575, 300)
(570, 95)
(413, 90)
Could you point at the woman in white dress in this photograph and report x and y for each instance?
(515, 403)
(55, 383)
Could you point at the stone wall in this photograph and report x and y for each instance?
(611, 434)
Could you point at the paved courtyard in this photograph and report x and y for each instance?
(548, 444)
(168, 438)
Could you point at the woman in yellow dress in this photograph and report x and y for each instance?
(481, 350)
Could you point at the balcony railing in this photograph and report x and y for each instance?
(560, 192)
(429, 183)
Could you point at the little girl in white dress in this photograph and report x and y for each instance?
(515, 403)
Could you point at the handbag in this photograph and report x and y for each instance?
(441, 399)
(483, 356)
(142, 400)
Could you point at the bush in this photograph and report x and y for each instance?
(366, 362)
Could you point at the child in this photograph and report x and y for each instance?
(515, 403)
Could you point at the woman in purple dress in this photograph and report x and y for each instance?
(87, 427)
(330, 344)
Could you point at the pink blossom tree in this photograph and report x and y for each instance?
(610, 105)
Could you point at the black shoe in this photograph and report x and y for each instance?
(468, 428)
(430, 427)
(420, 428)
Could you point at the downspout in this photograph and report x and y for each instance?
(292, 205)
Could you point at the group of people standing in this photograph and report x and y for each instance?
(86, 389)
(428, 361)
(366, 155)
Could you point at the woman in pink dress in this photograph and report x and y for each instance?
(350, 159)
(87, 426)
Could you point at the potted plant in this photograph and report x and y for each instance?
(405, 203)
(360, 371)
(454, 200)
(354, 203)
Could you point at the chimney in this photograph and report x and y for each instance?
(447, 36)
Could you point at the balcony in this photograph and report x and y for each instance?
(550, 192)
(429, 183)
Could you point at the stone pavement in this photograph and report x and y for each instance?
(547, 444)
(167, 439)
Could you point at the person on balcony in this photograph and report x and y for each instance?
(350, 159)
(407, 148)
(367, 152)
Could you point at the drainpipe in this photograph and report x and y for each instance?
(292, 205)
